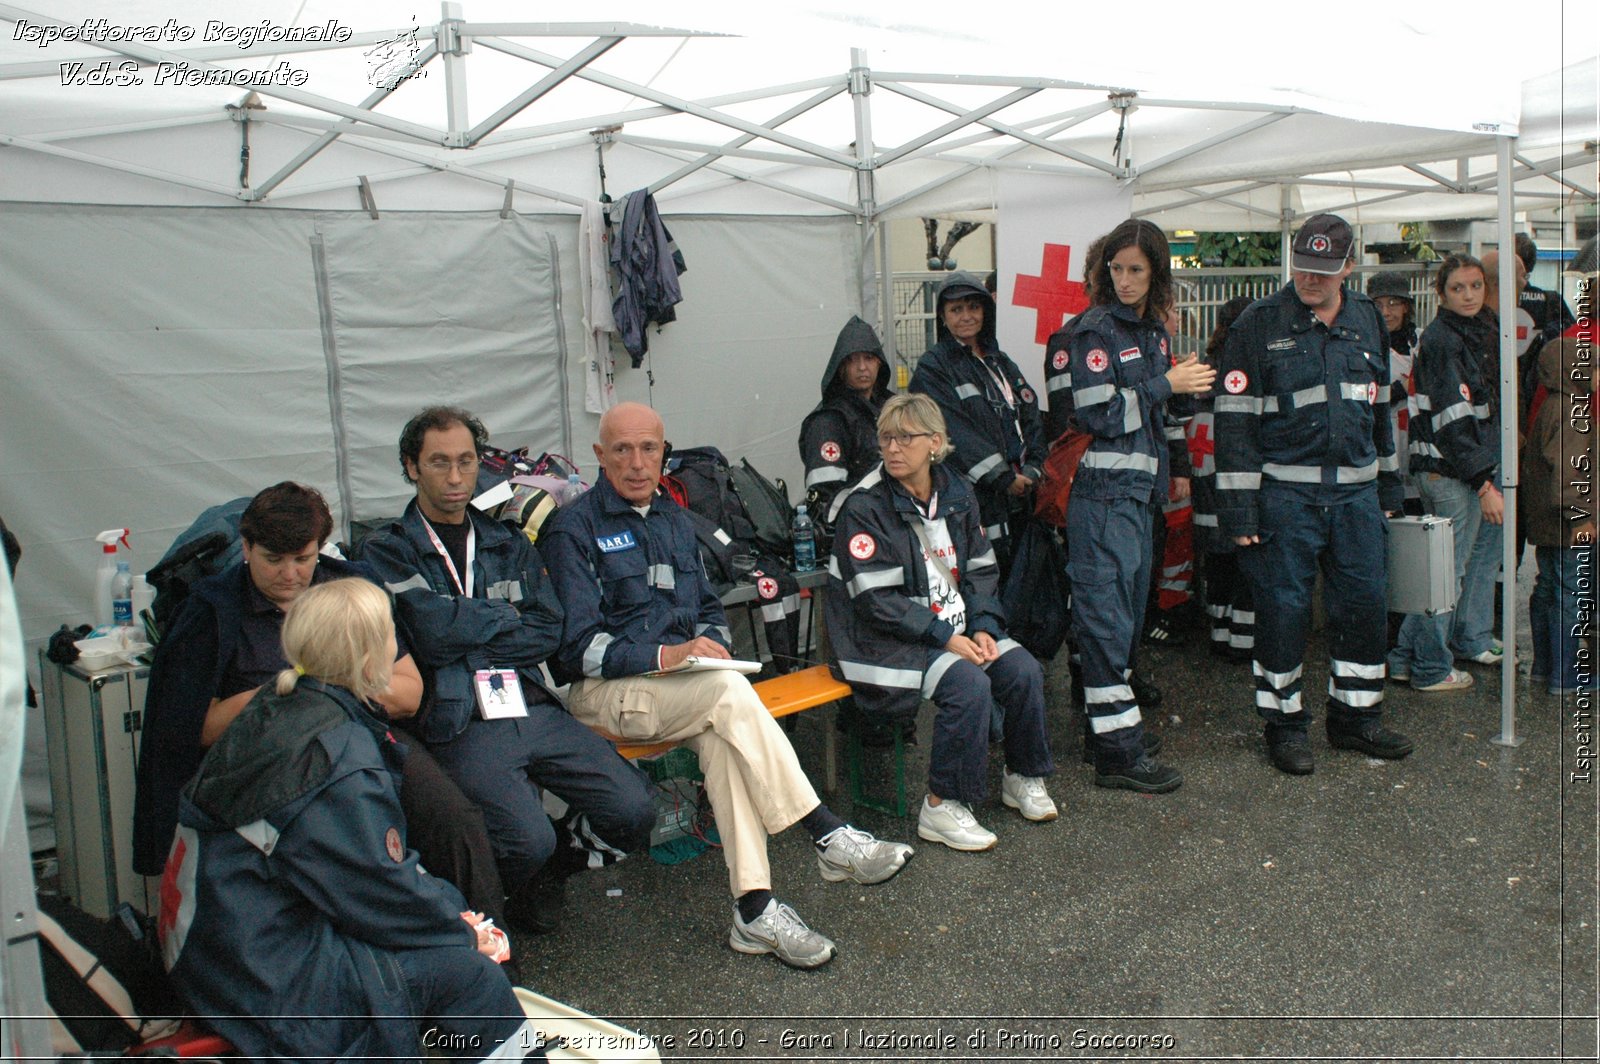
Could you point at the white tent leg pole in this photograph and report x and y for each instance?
(1285, 215)
(1508, 449)
(886, 306)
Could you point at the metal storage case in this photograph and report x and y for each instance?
(93, 723)
(1422, 565)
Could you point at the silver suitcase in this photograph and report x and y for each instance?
(93, 723)
(1422, 565)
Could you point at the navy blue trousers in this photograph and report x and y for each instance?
(1108, 559)
(966, 697)
(1349, 543)
(500, 764)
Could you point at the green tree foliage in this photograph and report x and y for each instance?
(1234, 249)
(1415, 234)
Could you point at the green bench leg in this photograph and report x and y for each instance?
(858, 783)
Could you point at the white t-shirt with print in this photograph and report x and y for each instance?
(944, 599)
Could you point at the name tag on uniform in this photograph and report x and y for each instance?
(1128, 354)
(1283, 345)
(620, 541)
(499, 694)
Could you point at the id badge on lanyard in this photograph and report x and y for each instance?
(464, 587)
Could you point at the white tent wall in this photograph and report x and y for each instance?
(160, 360)
(763, 301)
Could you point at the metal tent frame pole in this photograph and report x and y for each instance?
(1504, 147)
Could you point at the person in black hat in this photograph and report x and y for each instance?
(990, 407)
(1306, 469)
(1391, 294)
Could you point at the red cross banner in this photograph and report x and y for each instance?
(1045, 225)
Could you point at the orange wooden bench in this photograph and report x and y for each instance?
(782, 695)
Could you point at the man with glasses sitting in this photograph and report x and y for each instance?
(480, 616)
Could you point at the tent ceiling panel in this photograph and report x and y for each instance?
(768, 119)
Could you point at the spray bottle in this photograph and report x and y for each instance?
(106, 572)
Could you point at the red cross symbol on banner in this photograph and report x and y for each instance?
(1052, 294)
(1201, 448)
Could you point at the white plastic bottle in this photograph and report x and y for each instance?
(106, 572)
(122, 596)
(573, 489)
(144, 597)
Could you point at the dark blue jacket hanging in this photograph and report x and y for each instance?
(648, 264)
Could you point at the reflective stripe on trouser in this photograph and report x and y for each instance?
(755, 783)
(1108, 546)
(1229, 602)
(1348, 543)
(965, 699)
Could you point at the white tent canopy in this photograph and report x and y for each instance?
(788, 119)
(180, 342)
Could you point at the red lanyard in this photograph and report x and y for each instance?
(449, 565)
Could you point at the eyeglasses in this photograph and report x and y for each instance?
(441, 466)
(901, 439)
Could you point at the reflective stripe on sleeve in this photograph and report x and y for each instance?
(875, 579)
(1146, 463)
(595, 656)
(1238, 481)
(826, 475)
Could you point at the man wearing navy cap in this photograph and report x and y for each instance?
(1306, 469)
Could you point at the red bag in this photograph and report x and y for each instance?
(1060, 470)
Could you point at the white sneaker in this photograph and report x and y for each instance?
(1026, 794)
(953, 824)
(780, 932)
(858, 856)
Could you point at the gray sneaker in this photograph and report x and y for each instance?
(856, 855)
(780, 932)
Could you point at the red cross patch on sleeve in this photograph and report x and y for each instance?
(1466, 393)
(1236, 382)
(1059, 360)
(1097, 361)
(830, 451)
(392, 843)
(767, 587)
(862, 546)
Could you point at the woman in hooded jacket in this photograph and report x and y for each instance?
(993, 414)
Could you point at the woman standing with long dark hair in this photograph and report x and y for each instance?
(1122, 375)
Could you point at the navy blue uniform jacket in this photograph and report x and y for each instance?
(630, 585)
(511, 621)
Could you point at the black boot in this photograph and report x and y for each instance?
(1289, 750)
(536, 907)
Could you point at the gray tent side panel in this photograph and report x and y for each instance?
(763, 300)
(439, 309)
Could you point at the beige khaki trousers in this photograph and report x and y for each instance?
(753, 779)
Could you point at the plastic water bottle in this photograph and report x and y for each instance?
(573, 489)
(122, 596)
(804, 534)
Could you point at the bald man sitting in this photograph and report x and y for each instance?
(626, 567)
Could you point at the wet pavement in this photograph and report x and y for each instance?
(1443, 906)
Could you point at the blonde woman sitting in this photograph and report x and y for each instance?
(914, 612)
(294, 918)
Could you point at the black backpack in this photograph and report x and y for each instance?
(105, 987)
(741, 501)
(767, 504)
(1036, 589)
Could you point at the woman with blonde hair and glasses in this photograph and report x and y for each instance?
(914, 612)
(295, 920)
